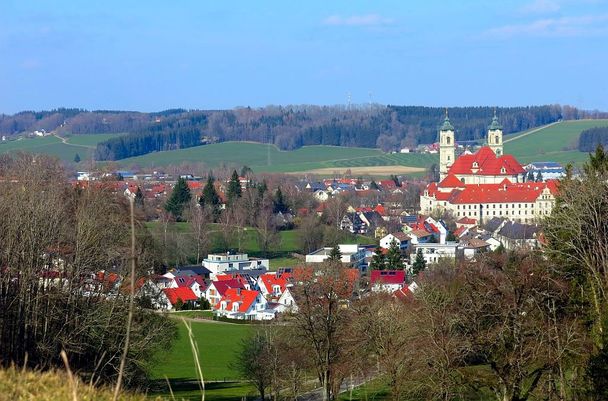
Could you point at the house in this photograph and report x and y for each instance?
(387, 280)
(433, 252)
(472, 247)
(547, 170)
(403, 240)
(194, 282)
(321, 195)
(242, 304)
(216, 289)
(182, 295)
(353, 255)
(232, 262)
(515, 235)
(353, 223)
(273, 285)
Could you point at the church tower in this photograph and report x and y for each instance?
(495, 136)
(446, 147)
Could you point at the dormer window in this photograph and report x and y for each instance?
(503, 170)
(235, 307)
(475, 165)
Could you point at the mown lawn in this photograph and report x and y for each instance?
(218, 344)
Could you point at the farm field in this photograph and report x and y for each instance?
(555, 143)
(83, 145)
(268, 158)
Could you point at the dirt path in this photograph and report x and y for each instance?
(65, 142)
(531, 132)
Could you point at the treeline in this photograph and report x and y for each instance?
(288, 127)
(144, 142)
(590, 138)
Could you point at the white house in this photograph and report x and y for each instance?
(433, 252)
(232, 262)
(403, 240)
(243, 304)
(351, 254)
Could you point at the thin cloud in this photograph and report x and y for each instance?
(358, 20)
(585, 25)
(541, 7)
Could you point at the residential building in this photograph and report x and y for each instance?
(387, 280)
(353, 255)
(402, 239)
(232, 262)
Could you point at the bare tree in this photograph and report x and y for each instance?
(199, 220)
(268, 236)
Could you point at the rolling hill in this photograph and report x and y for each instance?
(553, 142)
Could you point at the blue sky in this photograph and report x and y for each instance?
(153, 55)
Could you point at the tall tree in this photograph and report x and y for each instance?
(210, 198)
(378, 261)
(268, 235)
(234, 190)
(254, 361)
(77, 158)
(335, 255)
(394, 258)
(419, 263)
(139, 198)
(280, 203)
(179, 199)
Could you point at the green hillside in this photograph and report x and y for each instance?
(84, 145)
(557, 142)
(268, 158)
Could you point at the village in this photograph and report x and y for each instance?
(485, 201)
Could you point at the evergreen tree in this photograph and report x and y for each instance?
(373, 185)
(280, 205)
(262, 188)
(394, 259)
(234, 190)
(180, 196)
(395, 180)
(539, 176)
(210, 198)
(419, 263)
(530, 177)
(77, 158)
(245, 170)
(335, 255)
(139, 198)
(378, 261)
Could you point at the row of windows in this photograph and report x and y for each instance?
(493, 206)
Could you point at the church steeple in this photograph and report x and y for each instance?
(495, 136)
(446, 146)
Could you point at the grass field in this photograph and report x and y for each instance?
(218, 344)
(268, 158)
(83, 145)
(555, 143)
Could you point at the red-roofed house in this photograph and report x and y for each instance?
(272, 285)
(176, 295)
(242, 304)
(402, 240)
(217, 289)
(387, 280)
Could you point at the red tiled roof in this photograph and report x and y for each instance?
(451, 181)
(487, 164)
(387, 277)
(183, 293)
(380, 209)
(403, 294)
(270, 279)
(225, 285)
(466, 220)
(244, 299)
(460, 230)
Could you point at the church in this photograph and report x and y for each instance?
(485, 184)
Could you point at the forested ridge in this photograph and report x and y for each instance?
(287, 127)
(590, 138)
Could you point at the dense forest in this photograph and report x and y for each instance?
(592, 137)
(288, 127)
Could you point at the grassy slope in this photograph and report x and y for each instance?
(84, 145)
(255, 155)
(553, 143)
(20, 385)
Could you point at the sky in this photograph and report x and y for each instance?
(202, 54)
